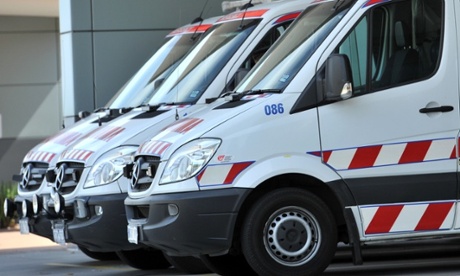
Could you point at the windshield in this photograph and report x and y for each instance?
(295, 47)
(199, 68)
(141, 86)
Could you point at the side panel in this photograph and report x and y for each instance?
(398, 160)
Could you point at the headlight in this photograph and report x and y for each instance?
(189, 159)
(109, 167)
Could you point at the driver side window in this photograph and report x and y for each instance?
(394, 44)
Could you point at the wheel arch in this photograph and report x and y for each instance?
(327, 192)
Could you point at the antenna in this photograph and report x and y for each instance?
(246, 7)
(199, 18)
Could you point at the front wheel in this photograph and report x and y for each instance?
(289, 232)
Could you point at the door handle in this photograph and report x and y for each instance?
(442, 108)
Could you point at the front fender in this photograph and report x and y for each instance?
(263, 170)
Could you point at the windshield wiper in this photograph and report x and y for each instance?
(238, 96)
(149, 108)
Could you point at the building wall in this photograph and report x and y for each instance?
(29, 87)
(29, 76)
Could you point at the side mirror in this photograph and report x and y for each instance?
(338, 78)
(83, 114)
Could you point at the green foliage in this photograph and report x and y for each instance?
(7, 190)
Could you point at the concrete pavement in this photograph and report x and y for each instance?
(11, 239)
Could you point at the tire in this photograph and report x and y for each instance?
(189, 265)
(289, 231)
(101, 256)
(228, 265)
(144, 258)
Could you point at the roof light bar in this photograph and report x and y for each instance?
(190, 29)
(232, 5)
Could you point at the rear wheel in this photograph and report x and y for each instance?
(188, 264)
(101, 256)
(144, 258)
(289, 232)
(228, 265)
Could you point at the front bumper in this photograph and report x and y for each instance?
(39, 224)
(187, 224)
(103, 230)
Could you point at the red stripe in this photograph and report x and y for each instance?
(187, 125)
(155, 147)
(235, 170)
(287, 17)
(384, 219)
(365, 157)
(434, 216)
(87, 155)
(242, 14)
(200, 175)
(373, 2)
(165, 146)
(192, 29)
(415, 152)
(453, 155)
(327, 155)
(67, 138)
(112, 133)
(51, 156)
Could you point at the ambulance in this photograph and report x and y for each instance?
(347, 130)
(89, 185)
(43, 157)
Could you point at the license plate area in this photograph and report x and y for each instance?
(59, 232)
(24, 226)
(133, 234)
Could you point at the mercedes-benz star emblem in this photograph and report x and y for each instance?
(136, 172)
(26, 176)
(60, 177)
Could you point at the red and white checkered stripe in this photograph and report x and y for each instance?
(221, 174)
(107, 133)
(390, 154)
(153, 148)
(407, 218)
(170, 107)
(39, 156)
(75, 154)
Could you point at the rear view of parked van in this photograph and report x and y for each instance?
(347, 130)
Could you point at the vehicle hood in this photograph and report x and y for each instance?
(130, 129)
(48, 150)
(182, 131)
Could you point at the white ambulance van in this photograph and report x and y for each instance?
(90, 186)
(347, 130)
(43, 157)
